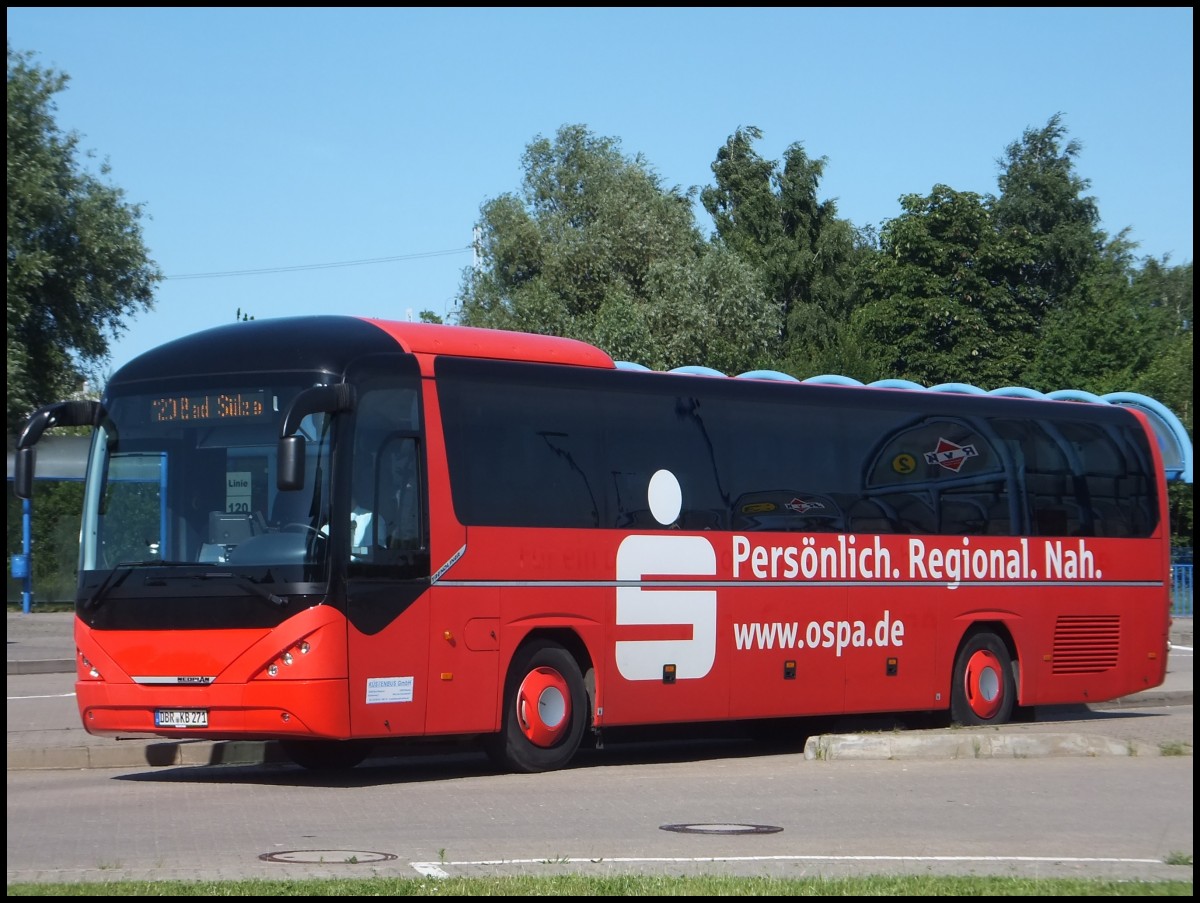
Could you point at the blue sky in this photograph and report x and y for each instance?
(302, 141)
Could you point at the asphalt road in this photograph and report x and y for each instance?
(698, 807)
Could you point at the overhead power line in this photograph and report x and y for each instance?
(322, 266)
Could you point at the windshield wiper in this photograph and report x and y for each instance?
(247, 583)
(118, 575)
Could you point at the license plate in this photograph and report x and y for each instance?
(181, 718)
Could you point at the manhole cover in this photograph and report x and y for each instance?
(327, 857)
(722, 829)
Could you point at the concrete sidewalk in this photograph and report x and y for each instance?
(44, 731)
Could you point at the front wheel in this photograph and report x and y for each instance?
(545, 711)
(985, 689)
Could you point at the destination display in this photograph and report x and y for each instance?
(209, 406)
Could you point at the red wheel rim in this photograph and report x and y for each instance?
(984, 683)
(543, 706)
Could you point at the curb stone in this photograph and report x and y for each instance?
(828, 747)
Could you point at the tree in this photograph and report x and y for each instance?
(1163, 294)
(1042, 209)
(1105, 324)
(1022, 287)
(1095, 337)
(77, 264)
(773, 220)
(937, 307)
(595, 248)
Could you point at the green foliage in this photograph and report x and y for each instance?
(726, 322)
(595, 248)
(77, 266)
(1019, 288)
(938, 305)
(773, 220)
(1098, 337)
(1042, 209)
(1163, 297)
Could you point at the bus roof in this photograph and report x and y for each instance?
(469, 341)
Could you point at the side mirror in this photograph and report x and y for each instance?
(64, 413)
(290, 450)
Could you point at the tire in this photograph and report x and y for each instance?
(326, 755)
(985, 688)
(545, 711)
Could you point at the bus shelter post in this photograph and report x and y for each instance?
(22, 566)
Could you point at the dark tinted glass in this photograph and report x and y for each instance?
(535, 445)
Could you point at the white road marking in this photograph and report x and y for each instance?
(438, 869)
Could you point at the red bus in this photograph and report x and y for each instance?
(559, 545)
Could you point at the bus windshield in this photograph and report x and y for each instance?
(187, 478)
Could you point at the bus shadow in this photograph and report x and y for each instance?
(425, 762)
(404, 764)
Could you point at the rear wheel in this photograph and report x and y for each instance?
(545, 711)
(326, 755)
(985, 689)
